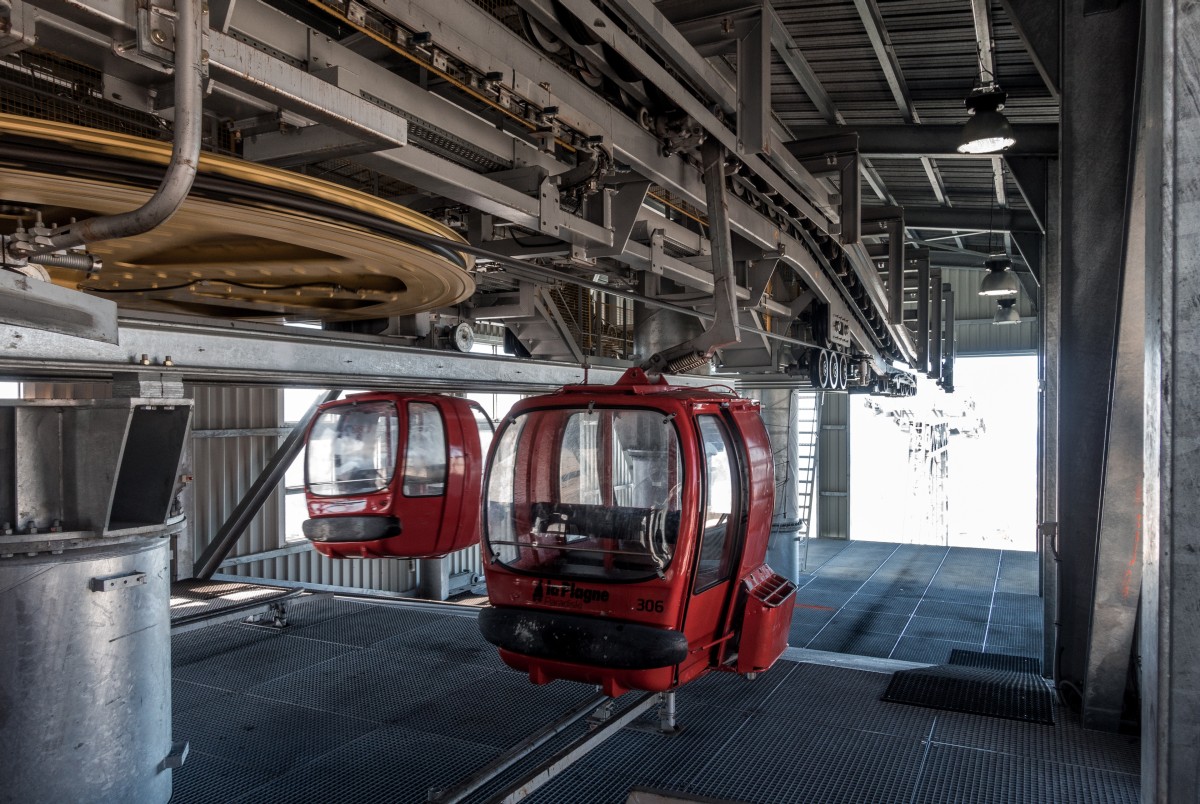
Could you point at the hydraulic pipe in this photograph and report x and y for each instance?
(185, 150)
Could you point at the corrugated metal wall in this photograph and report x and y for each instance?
(224, 468)
(974, 333)
(833, 468)
(969, 305)
(980, 338)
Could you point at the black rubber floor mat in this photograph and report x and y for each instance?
(995, 661)
(975, 690)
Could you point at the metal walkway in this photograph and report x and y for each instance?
(366, 702)
(917, 603)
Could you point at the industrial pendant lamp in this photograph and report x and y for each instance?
(1006, 312)
(988, 131)
(1000, 279)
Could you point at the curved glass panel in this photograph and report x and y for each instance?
(352, 449)
(424, 452)
(585, 494)
(717, 538)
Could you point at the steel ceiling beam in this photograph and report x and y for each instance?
(1038, 24)
(242, 353)
(881, 43)
(868, 12)
(958, 219)
(941, 141)
(798, 66)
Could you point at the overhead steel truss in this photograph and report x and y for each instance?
(481, 124)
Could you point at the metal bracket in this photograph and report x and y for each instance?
(839, 329)
(837, 154)
(176, 757)
(115, 583)
(658, 255)
(620, 210)
(156, 33)
(550, 214)
(276, 616)
(754, 84)
(758, 279)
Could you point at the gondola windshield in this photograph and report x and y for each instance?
(352, 449)
(589, 494)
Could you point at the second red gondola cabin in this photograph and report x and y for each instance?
(393, 475)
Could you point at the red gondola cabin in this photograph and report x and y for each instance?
(395, 475)
(625, 529)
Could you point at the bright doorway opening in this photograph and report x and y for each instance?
(951, 469)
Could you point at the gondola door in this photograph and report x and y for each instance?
(707, 624)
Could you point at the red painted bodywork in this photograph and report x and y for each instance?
(739, 624)
(431, 526)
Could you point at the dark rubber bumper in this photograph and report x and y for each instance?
(350, 528)
(582, 640)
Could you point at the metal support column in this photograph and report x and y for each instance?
(1119, 552)
(1170, 682)
(949, 350)
(935, 325)
(923, 315)
(247, 508)
(433, 578)
(896, 271)
(1050, 322)
(1098, 109)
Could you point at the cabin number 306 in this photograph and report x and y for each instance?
(645, 604)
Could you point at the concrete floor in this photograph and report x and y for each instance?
(361, 702)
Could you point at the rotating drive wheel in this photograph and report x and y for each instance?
(835, 371)
(843, 372)
(824, 371)
(249, 242)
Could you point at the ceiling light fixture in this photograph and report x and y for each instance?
(1000, 279)
(1006, 312)
(988, 131)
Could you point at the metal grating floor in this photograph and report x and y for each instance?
(917, 603)
(364, 702)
